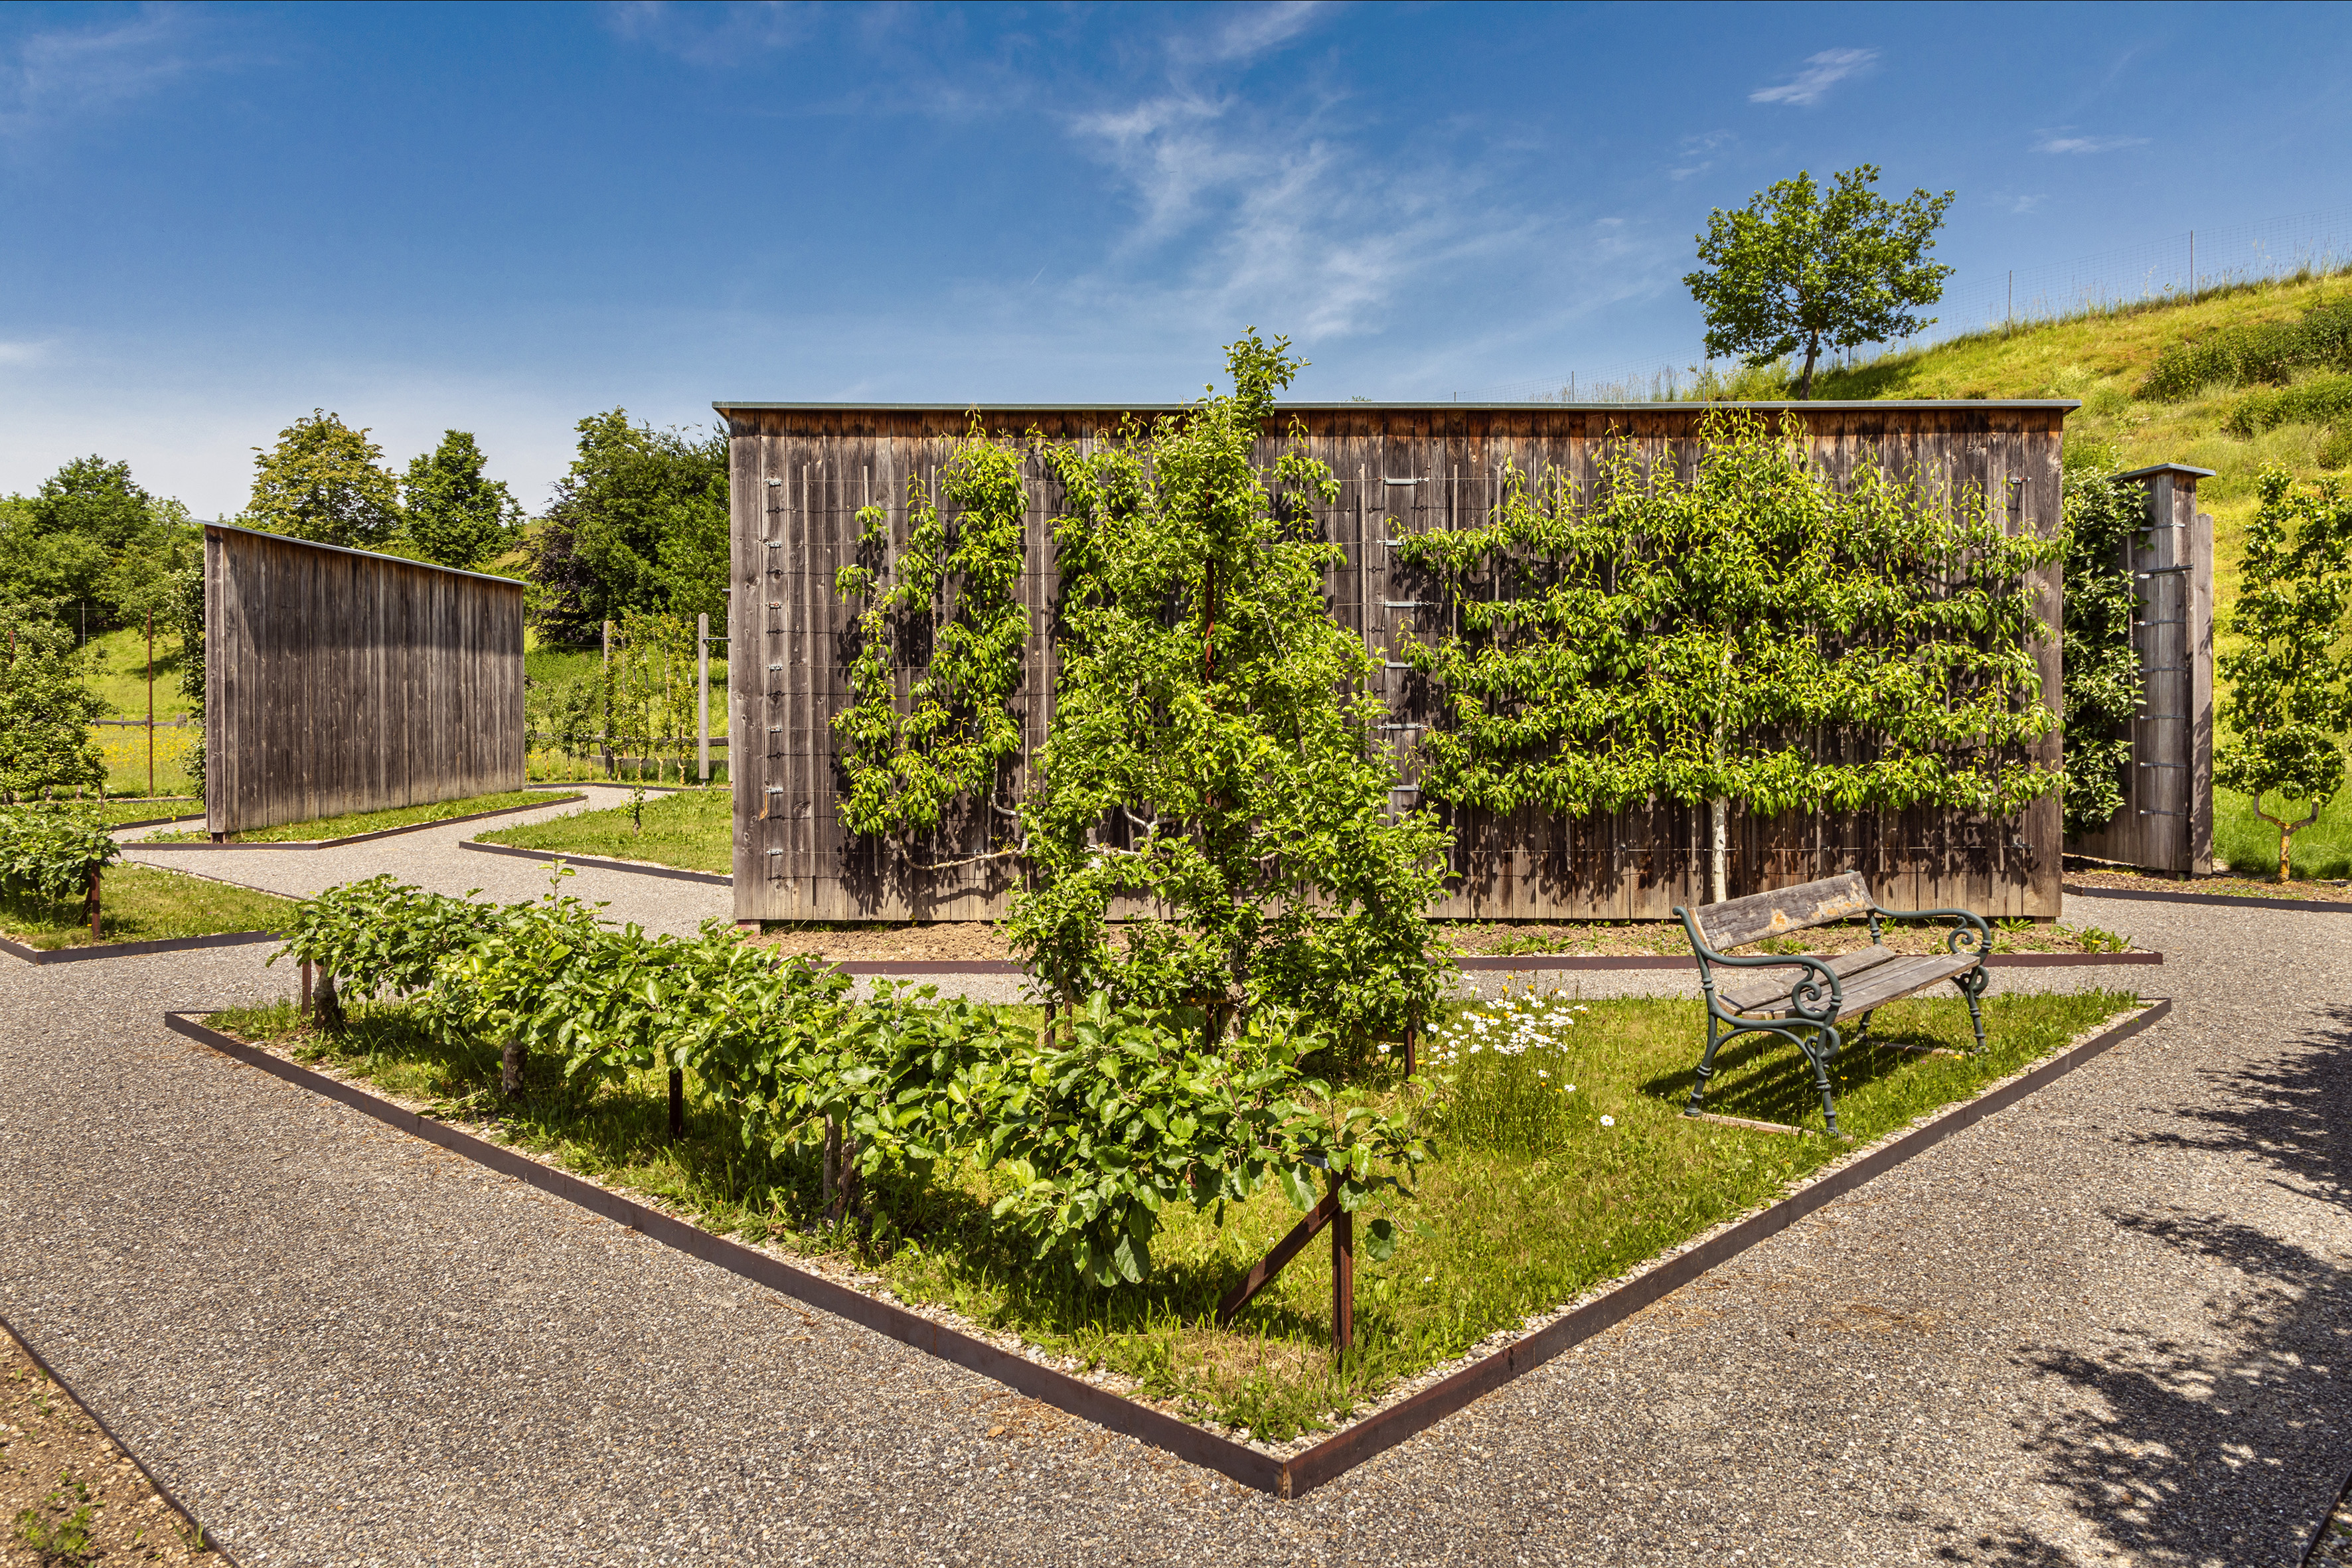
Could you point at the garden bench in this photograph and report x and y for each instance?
(1802, 998)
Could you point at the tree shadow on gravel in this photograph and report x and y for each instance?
(2236, 1455)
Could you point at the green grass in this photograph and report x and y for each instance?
(141, 903)
(1530, 1201)
(2102, 359)
(2323, 851)
(693, 830)
(355, 822)
(116, 669)
(115, 810)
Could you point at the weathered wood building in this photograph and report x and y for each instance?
(800, 472)
(341, 680)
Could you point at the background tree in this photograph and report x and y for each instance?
(45, 741)
(326, 482)
(1792, 270)
(455, 515)
(2290, 693)
(638, 524)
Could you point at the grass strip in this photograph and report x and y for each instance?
(693, 830)
(1563, 1160)
(357, 822)
(141, 903)
(117, 809)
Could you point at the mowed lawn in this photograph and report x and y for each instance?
(692, 830)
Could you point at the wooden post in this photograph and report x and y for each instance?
(94, 874)
(151, 705)
(306, 988)
(607, 726)
(1343, 1276)
(676, 1104)
(702, 692)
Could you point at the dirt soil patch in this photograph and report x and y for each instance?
(68, 1495)
(971, 940)
(2099, 879)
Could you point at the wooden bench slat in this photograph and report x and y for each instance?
(1735, 923)
(1893, 982)
(1774, 985)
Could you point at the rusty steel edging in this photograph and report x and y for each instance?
(133, 949)
(1293, 1478)
(1057, 1388)
(359, 837)
(2224, 901)
(640, 868)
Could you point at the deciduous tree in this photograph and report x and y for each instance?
(1795, 270)
(325, 481)
(456, 515)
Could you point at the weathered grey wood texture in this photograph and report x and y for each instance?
(2167, 820)
(338, 680)
(799, 473)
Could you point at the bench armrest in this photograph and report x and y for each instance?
(1969, 935)
(1805, 997)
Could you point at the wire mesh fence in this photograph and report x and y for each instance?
(2177, 266)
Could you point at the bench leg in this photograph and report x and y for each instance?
(1972, 985)
(1862, 1029)
(1819, 1053)
(1706, 1066)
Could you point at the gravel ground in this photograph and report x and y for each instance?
(2103, 1326)
(430, 857)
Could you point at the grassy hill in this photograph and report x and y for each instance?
(2105, 359)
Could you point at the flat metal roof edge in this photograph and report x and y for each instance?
(2166, 468)
(2066, 403)
(367, 554)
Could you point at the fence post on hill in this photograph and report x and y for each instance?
(702, 694)
(2166, 824)
(605, 728)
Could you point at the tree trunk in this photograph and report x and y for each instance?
(827, 1182)
(1719, 871)
(1812, 356)
(676, 1104)
(93, 902)
(510, 1069)
(331, 1005)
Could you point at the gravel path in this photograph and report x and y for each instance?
(430, 857)
(2103, 1326)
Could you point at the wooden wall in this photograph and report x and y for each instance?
(2167, 820)
(336, 680)
(801, 472)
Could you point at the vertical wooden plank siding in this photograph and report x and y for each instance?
(338, 680)
(794, 860)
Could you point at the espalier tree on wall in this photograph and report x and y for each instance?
(2290, 692)
(1716, 639)
(1207, 703)
(2101, 668)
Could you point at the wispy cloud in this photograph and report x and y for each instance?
(2052, 142)
(23, 353)
(2022, 204)
(1822, 72)
(62, 73)
(1699, 151)
(1246, 34)
(740, 34)
(1274, 213)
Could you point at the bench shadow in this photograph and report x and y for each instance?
(1764, 1077)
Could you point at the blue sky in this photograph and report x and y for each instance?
(502, 218)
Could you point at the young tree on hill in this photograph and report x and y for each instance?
(638, 524)
(96, 499)
(2290, 693)
(1793, 270)
(456, 515)
(326, 482)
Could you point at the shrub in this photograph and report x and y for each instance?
(2265, 352)
(2327, 400)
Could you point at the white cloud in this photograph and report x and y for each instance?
(49, 77)
(23, 353)
(711, 35)
(1697, 150)
(1822, 72)
(2054, 144)
(1246, 33)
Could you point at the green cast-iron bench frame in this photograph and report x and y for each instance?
(1812, 996)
